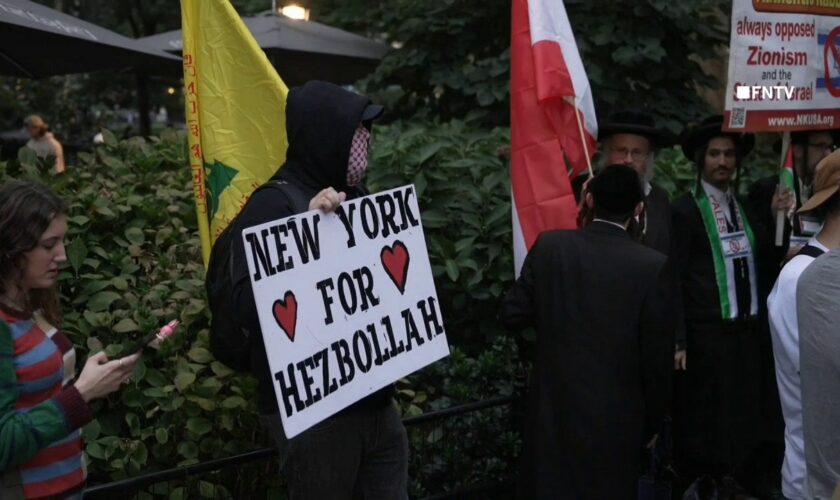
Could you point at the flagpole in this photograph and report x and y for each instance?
(583, 141)
(780, 214)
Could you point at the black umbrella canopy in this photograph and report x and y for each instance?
(36, 41)
(300, 50)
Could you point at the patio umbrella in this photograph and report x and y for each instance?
(300, 50)
(36, 41)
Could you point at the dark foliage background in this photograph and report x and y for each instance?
(134, 261)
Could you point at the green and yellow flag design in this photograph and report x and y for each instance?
(236, 113)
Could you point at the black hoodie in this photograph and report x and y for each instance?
(321, 119)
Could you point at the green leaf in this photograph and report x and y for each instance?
(427, 152)
(452, 270)
(204, 403)
(132, 397)
(94, 345)
(102, 301)
(154, 392)
(464, 244)
(497, 214)
(79, 220)
(91, 431)
(194, 308)
(135, 235)
(200, 355)
(206, 489)
(199, 425)
(184, 380)
(155, 378)
(97, 319)
(433, 219)
(93, 263)
(180, 295)
(109, 137)
(105, 211)
(234, 402)
(187, 449)
(220, 369)
(125, 325)
(27, 156)
(162, 435)
(140, 453)
(133, 423)
(120, 283)
(76, 253)
(96, 450)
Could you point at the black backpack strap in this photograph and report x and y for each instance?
(299, 201)
(810, 251)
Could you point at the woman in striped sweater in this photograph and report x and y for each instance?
(42, 404)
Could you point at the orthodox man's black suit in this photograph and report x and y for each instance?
(657, 233)
(726, 406)
(601, 379)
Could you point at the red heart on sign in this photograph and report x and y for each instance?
(395, 260)
(285, 313)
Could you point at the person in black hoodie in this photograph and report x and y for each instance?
(362, 451)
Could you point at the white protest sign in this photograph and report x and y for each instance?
(346, 302)
(784, 66)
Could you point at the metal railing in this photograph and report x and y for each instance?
(225, 473)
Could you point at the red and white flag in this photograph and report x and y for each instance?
(552, 121)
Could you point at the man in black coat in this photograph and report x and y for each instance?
(601, 379)
(632, 138)
(718, 260)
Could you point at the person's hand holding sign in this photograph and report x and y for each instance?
(327, 200)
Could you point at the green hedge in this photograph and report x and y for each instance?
(134, 263)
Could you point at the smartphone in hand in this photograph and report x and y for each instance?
(153, 338)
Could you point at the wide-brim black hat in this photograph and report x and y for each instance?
(635, 122)
(699, 135)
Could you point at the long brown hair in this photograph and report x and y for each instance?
(26, 211)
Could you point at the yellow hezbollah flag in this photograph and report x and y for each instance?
(236, 113)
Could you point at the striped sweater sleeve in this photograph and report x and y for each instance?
(23, 432)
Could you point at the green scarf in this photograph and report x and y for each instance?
(724, 266)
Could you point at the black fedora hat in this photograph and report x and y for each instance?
(697, 136)
(633, 121)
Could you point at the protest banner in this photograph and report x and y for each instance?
(346, 303)
(784, 66)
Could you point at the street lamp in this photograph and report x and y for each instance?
(292, 11)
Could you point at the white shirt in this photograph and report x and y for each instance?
(47, 145)
(723, 198)
(784, 331)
